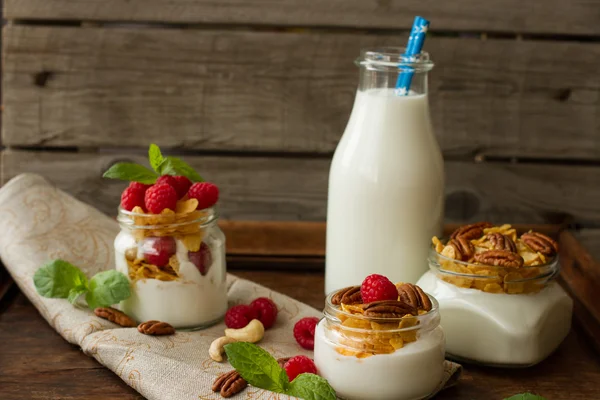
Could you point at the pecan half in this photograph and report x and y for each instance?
(229, 383)
(541, 243)
(472, 231)
(463, 248)
(116, 316)
(155, 328)
(388, 309)
(349, 295)
(415, 296)
(499, 258)
(502, 242)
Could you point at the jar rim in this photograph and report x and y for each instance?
(547, 270)
(390, 57)
(333, 312)
(126, 218)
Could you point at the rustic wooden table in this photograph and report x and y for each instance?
(36, 363)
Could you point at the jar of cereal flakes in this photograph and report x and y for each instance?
(395, 346)
(499, 302)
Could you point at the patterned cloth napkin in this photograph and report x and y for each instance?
(43, 223)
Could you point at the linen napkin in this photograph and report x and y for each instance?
(42, 223)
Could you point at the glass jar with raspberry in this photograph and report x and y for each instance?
(175, 261)
(397, 345)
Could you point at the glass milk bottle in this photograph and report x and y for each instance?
(386, 182)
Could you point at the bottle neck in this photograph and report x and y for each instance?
(388, 79)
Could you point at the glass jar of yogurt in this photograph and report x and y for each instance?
(499, 315)
(176, 264)
(400, 358)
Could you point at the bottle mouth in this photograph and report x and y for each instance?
(393, 58)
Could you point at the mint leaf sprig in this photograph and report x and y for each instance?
(525, 396)
(160, 164)
(60, 279)
(261, 370)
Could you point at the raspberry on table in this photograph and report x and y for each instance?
(159, 197)
(239, 316)
(376, 288)
(132, 197)
(202, 258)
(182, 186)
(158, 250)
(266, 311)
(299, 365)
(206, 193)
(304, 332)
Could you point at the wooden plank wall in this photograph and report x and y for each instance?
(256, 93)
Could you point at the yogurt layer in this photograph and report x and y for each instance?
(191, 301)
(410, 373)
(497, 328)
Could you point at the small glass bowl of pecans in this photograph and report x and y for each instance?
(360, 342)
(497, 293)
(495, 259)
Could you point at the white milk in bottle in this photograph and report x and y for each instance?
(386, 182)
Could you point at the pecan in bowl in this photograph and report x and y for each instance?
(500, 258)
(540, 243)
(349, 295)
(471, 231)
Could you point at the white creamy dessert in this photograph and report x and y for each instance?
(190, 301)
(176, 265)
(497, 296)
(410, 373)
(500, 328)
(397, 346)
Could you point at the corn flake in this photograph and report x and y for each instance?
(186, 206)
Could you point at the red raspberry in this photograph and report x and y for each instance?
(158, 250)
(168, 179)
(132, 197)
(299, 365)
(239, 316)
(206, 193)
(378, 287)
(159, 197)
(266, 311)
(304, 332)
(182, 185)
(202, 258)
(139, 185)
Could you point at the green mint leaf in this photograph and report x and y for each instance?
(525, 396)
(107, 288)
(176, 166)
(56, 279)
(257, 366)
(311, 387)
(131, 172)
(75, 293)
(155, 157)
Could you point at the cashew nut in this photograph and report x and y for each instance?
(216, 348)
(252, 332)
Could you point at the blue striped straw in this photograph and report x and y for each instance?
(413, 47)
